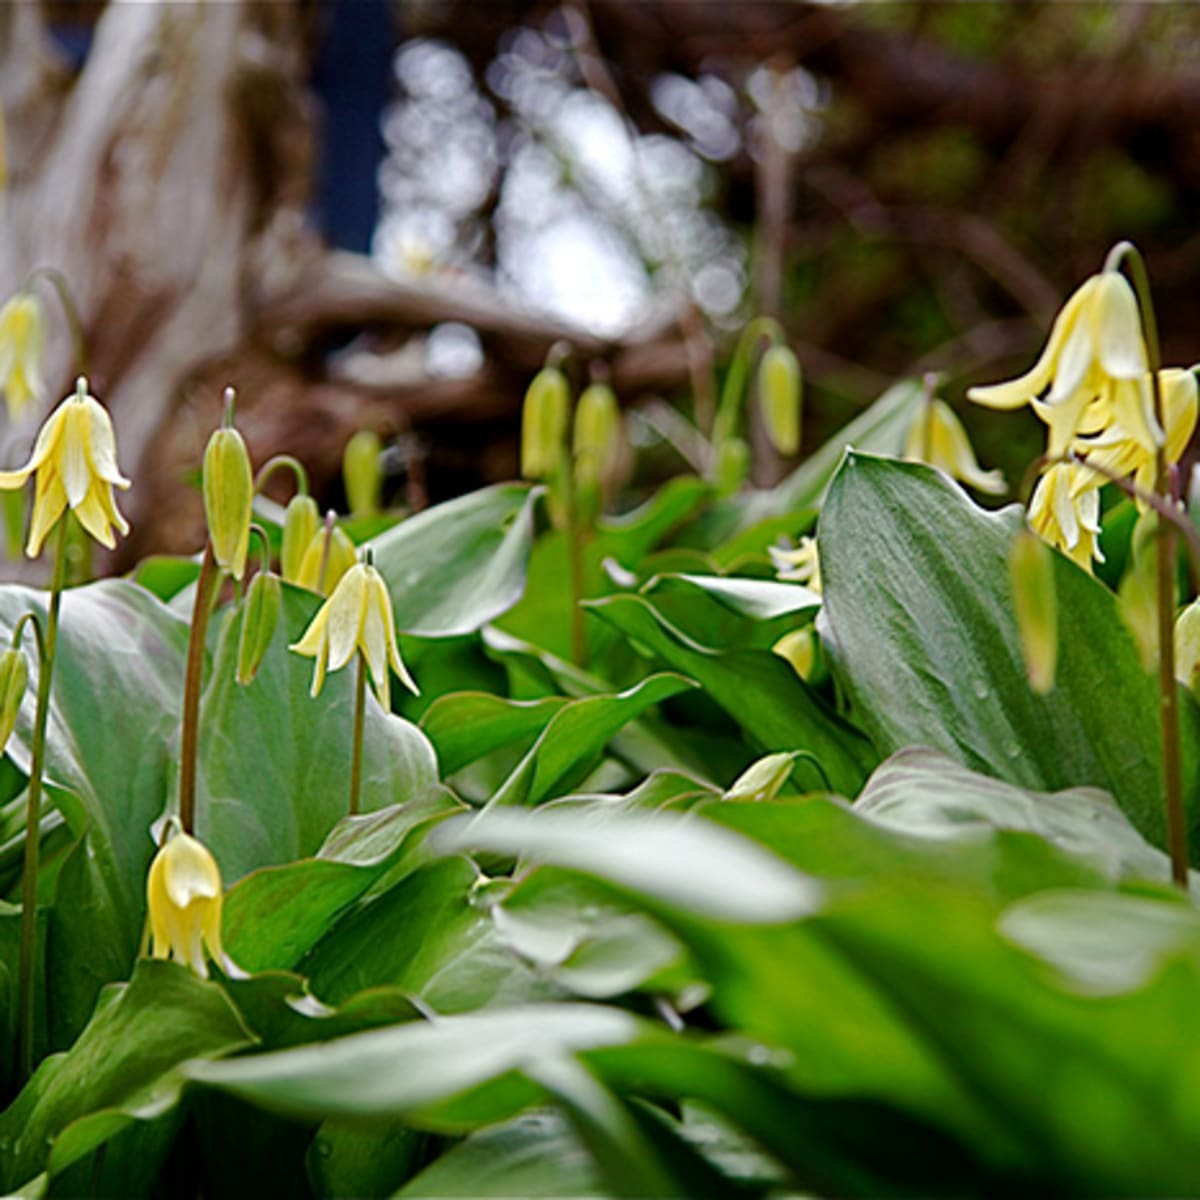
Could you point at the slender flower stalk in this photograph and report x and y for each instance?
(206, 594)
(47, 643)
(1126, 252)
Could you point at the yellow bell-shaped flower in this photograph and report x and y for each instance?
(1092, 370)
(937, 437)
(358, 616)
(184, 894)
(22, 341)
(75, 461)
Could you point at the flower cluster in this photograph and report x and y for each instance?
(1092, 387)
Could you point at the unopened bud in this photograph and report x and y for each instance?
(260, 615)
(762, 781)
(228, 496)
(597, 433)
(362, 473)
(301, 523)
(733, 465)
(544, 423)
(337, 560)
(1137, 602)
(13, 677)
(779, 392)
(1035, 602)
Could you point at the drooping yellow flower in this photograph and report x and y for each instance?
(1065, 510)
(800, 565)
(937, 437)
(358, 616)
(1119, 450)
(75, 460)
(1092, 370)
(22, 342)
(184, 894)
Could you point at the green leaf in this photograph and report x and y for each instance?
(114, 711)
(918, 603)
(426, 935)
(419, 1071)
(923, 792)
(729, 612)
(681, 862)
(574, 737)
(537, 1155)
(274, 915)
(120, 1070)
(454, 567)
(465, 726)
(774, 707)
(274, 767)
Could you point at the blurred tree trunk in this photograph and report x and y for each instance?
(165, 181)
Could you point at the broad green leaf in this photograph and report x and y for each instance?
(276, 914)
(121, 1069)
(458, 565)
(420, 1070)
(114, 711)
(1105, 943)
(465, 726)
(274, 768)
(773, 706)
(918, 603)
(682, 862)
(922, 792)
(536, 1155)
(355, 1162)
(729, 612)
(574, 737)
(426, 935)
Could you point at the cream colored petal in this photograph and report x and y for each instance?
(347, 608)
(1131, 402)
(93, 517)
(1117, 326)
(1064, 511)
(314, 637)
(1179, 395)
(319, 670)
(1063, 420)
(158, 904)
(192, 948)
(393, 647)
(49, 503)
(189, 871)
(102, 443)
(955, 455)
(1073, 367)
(373, 638)
(11, 480)
(72, 458)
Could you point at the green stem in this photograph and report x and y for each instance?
(63, 289)
(286, 462)
(206, 589)
(356, 753)
(33, 805)
(575, 532)
(729, 410)
(1168, 696)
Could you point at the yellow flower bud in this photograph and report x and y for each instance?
(184, 895)
(1035, 603)
(260, 615)
(597, 433)
(13, 677)
(937, 437)
(799, 648)
(544, 423)
(779, 391)
(1187, 646)
(362, 473)
(763, 780)
(301, 523)
(228, 496)
(341, 557)
(22, 342)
